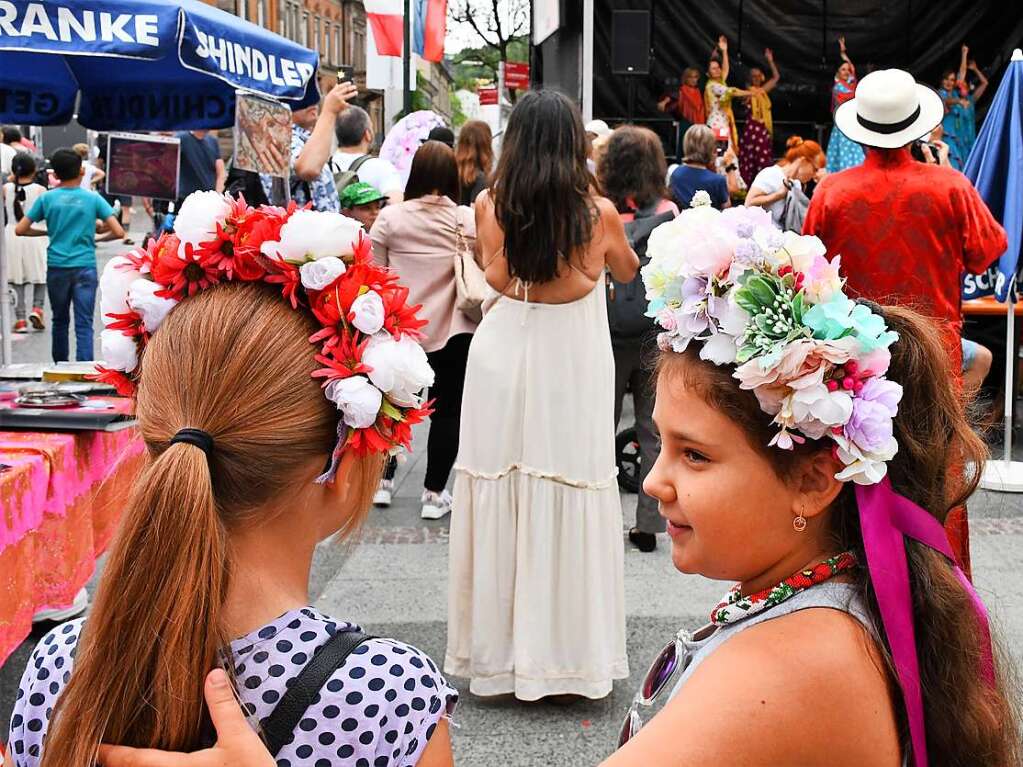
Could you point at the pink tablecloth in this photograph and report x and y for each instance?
(59, 506)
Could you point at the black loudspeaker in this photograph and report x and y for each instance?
(630, 42)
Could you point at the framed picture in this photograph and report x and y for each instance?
(143, 165)
(262, 135)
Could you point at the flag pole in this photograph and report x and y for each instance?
(406, 59)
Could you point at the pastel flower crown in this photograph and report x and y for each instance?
(773, 305)
(374, 369)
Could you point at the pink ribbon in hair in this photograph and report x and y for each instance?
(885, 517)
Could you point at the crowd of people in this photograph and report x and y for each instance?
(604, 274)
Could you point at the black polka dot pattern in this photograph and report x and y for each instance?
(379, 709)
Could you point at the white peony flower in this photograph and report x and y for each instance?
(118, 275)
(119, 351)
(800, 251)
(369, 312)
(399, 368)
(861, 467)
(312, 234)
(316, 275)
(699, 199)
(358, 400)
(197, 220)
(153, 309)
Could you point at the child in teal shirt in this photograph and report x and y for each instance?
(70, 213)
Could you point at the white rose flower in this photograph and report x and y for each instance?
(152, 308)
(196, 221)
(358, 400)
(316, 275)
(369, 312)
(119, 351)
(699, 199)
(310, 235)
(399, 368)
(117, 277)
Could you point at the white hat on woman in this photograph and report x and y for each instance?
(890, 110)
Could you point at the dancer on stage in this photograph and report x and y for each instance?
(687, 106)
(755, 148)
(718, 94)
(960, 121)
(843, 152)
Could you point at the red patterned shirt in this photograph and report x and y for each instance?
(906, 232)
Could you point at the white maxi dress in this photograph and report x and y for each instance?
(536, 601)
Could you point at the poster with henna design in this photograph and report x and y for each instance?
(262, 135)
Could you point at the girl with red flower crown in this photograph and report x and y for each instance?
(274, 367)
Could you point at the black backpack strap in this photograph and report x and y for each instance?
(282, 721)
(359, 162)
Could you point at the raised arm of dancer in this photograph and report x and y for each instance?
(979, 90)
(775, 76)
(842, 52)
(961, 75)
(723, 47)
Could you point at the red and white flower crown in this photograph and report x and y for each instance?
(374, 369)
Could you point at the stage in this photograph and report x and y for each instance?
(921, 37)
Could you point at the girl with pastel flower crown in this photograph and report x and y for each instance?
(274, 366)
(806, 440)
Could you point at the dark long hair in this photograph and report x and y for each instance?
(632, 168)
(542, 188)
(969, 722)
(433, 170)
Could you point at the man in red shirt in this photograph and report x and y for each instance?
(906, 230)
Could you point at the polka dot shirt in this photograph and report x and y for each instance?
(379, 709)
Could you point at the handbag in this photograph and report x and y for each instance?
(470, 281)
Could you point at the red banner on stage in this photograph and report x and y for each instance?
(488, 96)
(516, 75)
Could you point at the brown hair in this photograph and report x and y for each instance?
(699, 145)
(632, 167)
(234, 361)
(968, 721)
(797, 148)
(475, 152)
(433, 170)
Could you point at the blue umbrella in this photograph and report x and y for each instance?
(995, 167)
(141, 64)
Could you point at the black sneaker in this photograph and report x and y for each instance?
(645, 542)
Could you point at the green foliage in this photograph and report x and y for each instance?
(458, 117)
(471, 65)
(420, 100)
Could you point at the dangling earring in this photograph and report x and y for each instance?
(799, 523)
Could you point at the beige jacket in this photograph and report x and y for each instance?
(418, 239)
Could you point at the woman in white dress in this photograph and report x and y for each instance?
(536, 588)
(26, 256)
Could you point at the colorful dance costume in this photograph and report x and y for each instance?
(718, 97)
(843, 152)
(756, 151)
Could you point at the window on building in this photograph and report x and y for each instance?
(359, 48)
(339, 47)
(241, 8)
(303, 29)
(261, 15)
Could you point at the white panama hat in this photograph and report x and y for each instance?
(890, 110)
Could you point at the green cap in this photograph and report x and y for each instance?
(358, 193)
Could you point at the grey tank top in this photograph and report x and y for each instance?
(833, 594)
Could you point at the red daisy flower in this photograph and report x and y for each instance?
(280, 272)
(184, 275)
(399, 317)
(124, 385)
(232, 260)
(342, 360)
(129, 323)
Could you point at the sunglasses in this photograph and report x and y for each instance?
(672, 660)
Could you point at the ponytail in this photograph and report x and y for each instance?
(155, 629)
(19, 202)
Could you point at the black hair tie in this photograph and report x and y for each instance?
(196, 437)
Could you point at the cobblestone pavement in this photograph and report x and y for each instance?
(393, 580)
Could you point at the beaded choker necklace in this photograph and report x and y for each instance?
(734, 607)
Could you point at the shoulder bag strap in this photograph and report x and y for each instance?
(278, 726)
(359, 162)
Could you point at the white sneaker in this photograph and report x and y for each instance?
(79, 606)
(382, 497)
(436, 505)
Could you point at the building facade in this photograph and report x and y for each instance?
(336, 29)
